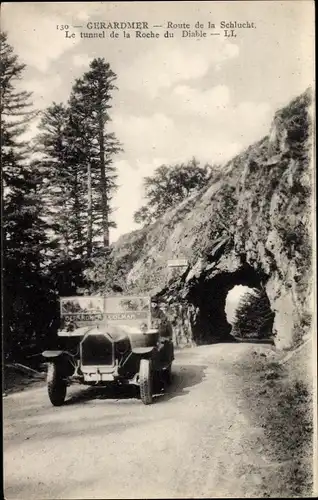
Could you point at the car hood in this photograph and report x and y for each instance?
(117, 332)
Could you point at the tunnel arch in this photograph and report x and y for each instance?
(208, 298)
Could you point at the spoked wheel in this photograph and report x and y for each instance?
(56, 385)
(145, 381)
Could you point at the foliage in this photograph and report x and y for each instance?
(105, 275)
(16, 113)
(27, 294)
(169, 186)
(63, 183)
(253, 316)
(89, 110)
(293, 125)
(77, 160)
(45, 231)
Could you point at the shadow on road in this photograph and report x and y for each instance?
(183, 378)
(107, 392)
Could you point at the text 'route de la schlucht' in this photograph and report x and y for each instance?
(145, 30)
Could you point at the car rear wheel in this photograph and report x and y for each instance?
(145, 381)
(56, 385)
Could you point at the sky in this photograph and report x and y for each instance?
(176, 97)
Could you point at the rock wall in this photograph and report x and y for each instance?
(251, 225)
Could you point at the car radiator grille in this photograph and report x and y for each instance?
(97, 350)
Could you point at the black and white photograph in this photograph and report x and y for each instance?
(158, 250)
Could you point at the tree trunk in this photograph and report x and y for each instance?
(103, 183)
(77, 211)
(89, 242)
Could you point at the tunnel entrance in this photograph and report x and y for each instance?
(208, 298)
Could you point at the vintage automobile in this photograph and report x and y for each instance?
(110, 340)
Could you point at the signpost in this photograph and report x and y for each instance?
(177, 263)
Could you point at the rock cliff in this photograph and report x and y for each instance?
(252, 225)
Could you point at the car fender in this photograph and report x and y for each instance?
(142, 350)
(62, 359)
(53, 354)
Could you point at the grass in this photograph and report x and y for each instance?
(281, 403)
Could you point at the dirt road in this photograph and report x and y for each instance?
(194, 441)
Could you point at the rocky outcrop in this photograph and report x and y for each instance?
(251, 225)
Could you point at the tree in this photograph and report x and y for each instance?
(63, 168)
(26, 294)
(253, 316)
(169, 186)
(90, 104)
(16, 113)
(83, 138)
(77, 158)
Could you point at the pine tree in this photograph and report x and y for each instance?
(253, 315)
(24, 238)
(62, 167)
(83, 138)
(16, 113)
(90, 104)
(77, 162)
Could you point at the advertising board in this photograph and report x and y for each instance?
(86, 311)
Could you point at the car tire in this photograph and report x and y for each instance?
(56, 385)
(145, 381)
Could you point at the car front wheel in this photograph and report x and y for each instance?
(56, 385)
(145, 381)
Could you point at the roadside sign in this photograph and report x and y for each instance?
(177, 263)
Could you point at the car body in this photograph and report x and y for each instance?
(109, 341)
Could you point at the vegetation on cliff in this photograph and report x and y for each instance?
(169, 186)
(256, 215)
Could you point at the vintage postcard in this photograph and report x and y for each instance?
(159, 335)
